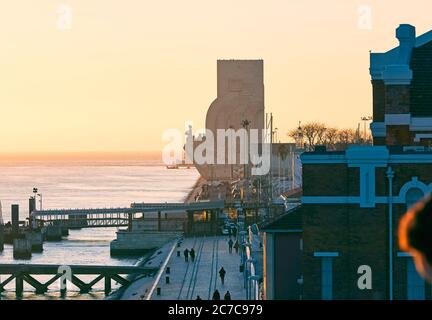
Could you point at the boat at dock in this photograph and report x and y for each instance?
(179, 166)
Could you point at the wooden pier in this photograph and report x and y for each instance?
(25, 273)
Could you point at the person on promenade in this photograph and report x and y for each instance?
(198, 298)
(192, 254)
(216, 295)
(222, 273)
(227, 296)
(186, 255)
(230, 245)
(415, 236)
(236, 246)
(235, 232)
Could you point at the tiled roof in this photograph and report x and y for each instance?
(291, 220)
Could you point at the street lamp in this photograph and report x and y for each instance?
(390, 176)
(36, 194)
(365, 120)
(40, 200)
(245, 124)
(275, 134)
(299, 136)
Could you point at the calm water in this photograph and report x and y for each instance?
(86, 185)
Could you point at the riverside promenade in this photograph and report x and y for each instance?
(187, 280)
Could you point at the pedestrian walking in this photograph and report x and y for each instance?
(227, 296)
(230, 245)
(186, 255)
(216, 295)
(235, 232)
(236, 246)
(192, 254)
(222, 273)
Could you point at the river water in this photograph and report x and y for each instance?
(85, 185)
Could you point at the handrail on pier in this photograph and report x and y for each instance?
(161, 271)
(25, 272)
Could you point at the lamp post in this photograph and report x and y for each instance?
(36, 194)
(299, 136)
(275, 134)
(390, 176)
(365, 120)
(40, 200)
(245, 124)
(269, 133)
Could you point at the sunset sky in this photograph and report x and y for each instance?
(127, 70)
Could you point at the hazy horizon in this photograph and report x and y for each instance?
(82, 156)
(124, 71)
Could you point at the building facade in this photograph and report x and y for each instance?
(353, 200)
(402, 90)
(352, 203)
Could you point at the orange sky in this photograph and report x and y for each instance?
(127, 70)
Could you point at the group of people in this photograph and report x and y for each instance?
(232, 244)
(216, 296)
(188, 253)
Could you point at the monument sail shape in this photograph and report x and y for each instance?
(239, 105)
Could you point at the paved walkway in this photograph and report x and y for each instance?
(201, 277)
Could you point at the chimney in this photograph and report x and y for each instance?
(406, 34)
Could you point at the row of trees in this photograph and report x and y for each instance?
(316, 133)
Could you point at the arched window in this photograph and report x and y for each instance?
(412, 196)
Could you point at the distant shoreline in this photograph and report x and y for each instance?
(81, 156)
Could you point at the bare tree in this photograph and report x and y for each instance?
(346, 137)
(321, 131)
(331, 138)
(369, 139)
(314, 133)
(311, 133)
